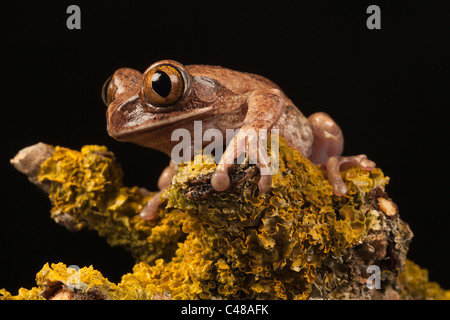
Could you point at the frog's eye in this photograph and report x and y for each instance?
(164, 85)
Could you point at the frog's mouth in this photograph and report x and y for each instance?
(132, 124)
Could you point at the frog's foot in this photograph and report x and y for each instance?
(245, 142)
(150, 210)
(220, 180)
(337, 163)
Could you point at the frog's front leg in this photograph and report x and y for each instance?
(327, 148)
(265, 107)
(149, 212)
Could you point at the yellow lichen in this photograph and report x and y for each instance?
(87, 185)
(277, 241)
(417, 285)
(240, 244)
(23, 294)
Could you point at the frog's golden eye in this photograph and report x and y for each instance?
(164, 85)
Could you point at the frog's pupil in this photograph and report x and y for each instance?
(161, 83)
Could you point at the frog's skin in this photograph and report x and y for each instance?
(146, 108)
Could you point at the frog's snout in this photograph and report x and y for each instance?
(124, 82)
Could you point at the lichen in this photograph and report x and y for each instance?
(23, 294)
(417, 286)
(298, 241)
(274, 243)
(87, 190)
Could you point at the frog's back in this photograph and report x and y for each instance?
(236, 81)
(293, 125)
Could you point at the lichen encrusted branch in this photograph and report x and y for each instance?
(299, 241)
(86, 191)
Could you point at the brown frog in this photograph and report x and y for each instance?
(146, 108)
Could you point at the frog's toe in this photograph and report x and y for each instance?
(265, 182)
(150, 211)
(355, 161)
(367, 164)
(220, 180)
(339, 187)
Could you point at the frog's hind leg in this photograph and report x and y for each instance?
(327, 148)
(150, 210)
(328, 138)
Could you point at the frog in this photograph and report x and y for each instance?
(146, 108)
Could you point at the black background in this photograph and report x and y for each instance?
(388, 90)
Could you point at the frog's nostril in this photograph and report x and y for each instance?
(106, 93)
